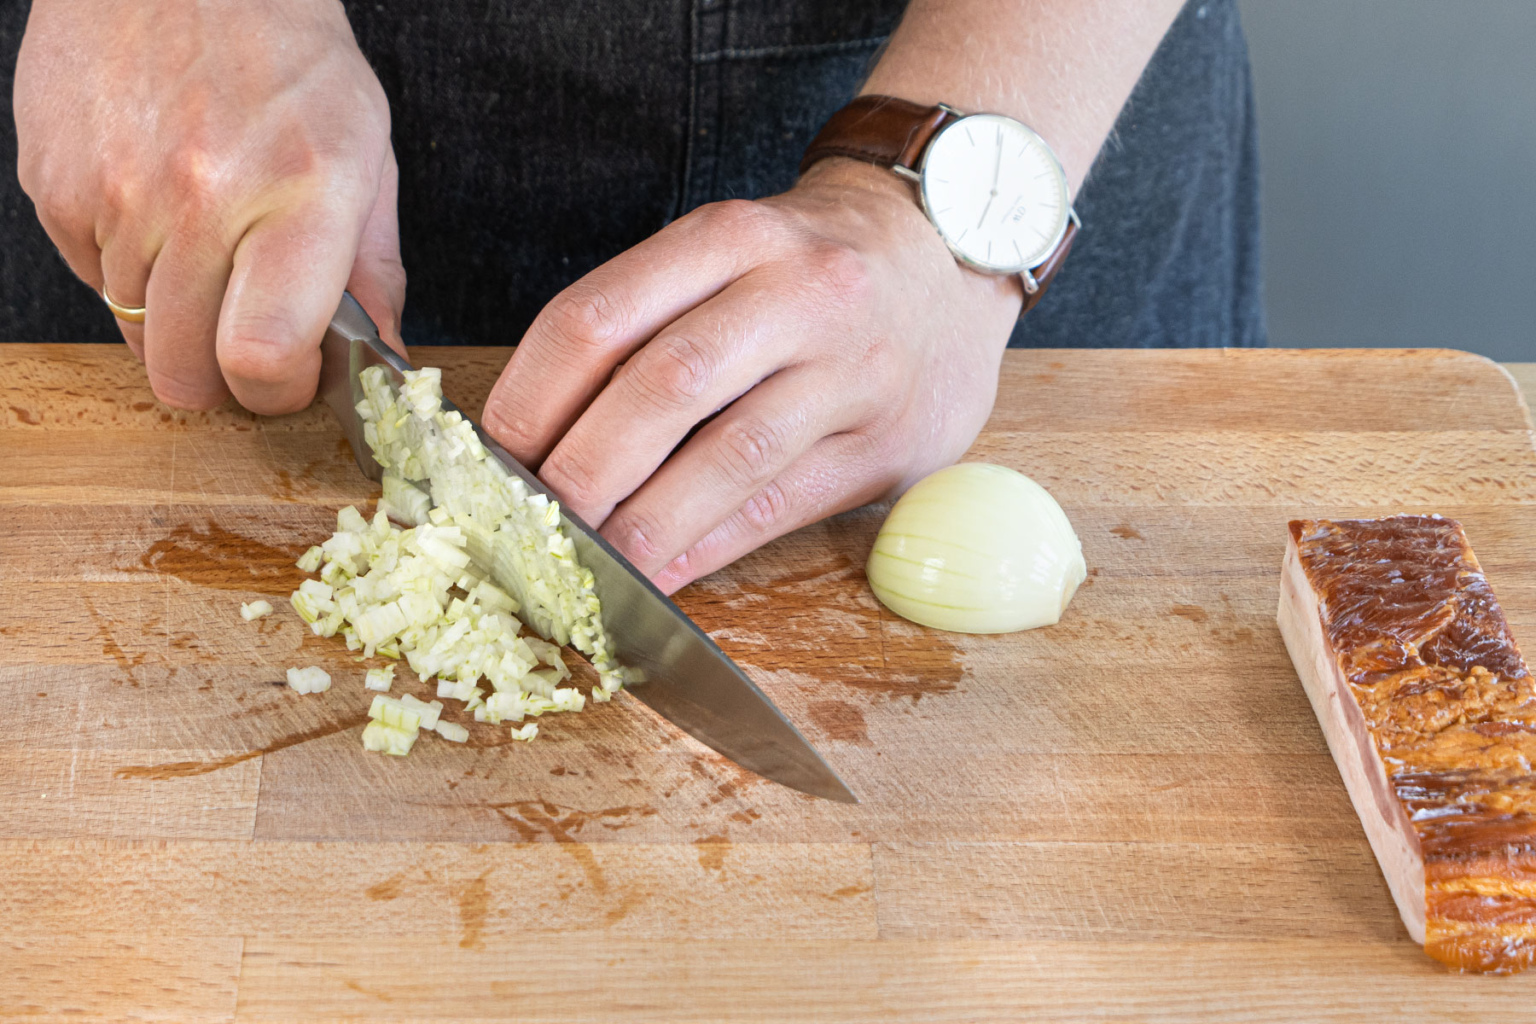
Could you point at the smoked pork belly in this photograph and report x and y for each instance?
(1429, 711)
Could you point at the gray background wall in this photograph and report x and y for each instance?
(1398, 142)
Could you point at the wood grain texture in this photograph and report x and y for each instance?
(1064, 891)
(876, 982)
(84, 792)
(1129, 816)
(1525, 377)
(94, 977)
(478, 896)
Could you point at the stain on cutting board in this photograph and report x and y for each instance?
(185, 769)
(839, 720)
(827, 629)
(212, 556)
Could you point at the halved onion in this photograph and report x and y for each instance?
(977, 548)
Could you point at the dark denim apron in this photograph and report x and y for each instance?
(538, 138)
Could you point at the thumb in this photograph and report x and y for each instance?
(378, 276)
(288, 275)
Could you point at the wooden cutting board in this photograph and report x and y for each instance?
(1131, 815)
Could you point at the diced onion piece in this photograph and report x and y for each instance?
(977, 548)
(526, 733)
(380, 678)
(453, 732)
(255, 610)
(350, 520)
(394, 714)
(568, 699)
(313, 679)
(309, 561)
(427, 711)
(388, 740)
(404, 501)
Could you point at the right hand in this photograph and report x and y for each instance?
(224, 163)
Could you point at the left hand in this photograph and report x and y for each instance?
(850, 353)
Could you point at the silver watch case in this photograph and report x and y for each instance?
(1031, 286)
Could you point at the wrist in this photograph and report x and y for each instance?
(880, 193)
(846, 172)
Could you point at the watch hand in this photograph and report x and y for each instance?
(997, 171)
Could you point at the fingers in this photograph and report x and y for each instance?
(378, 276)
(728, 463)
(270, 357)
(73, 234)
(127, 287)
(287, 277)
(838, 473)
(76, 242)
(182, 296)
(268, 296)
(694, 367)
(572, 348)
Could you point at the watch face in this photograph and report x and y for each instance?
(996, 192)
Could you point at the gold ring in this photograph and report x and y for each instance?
(127, 314)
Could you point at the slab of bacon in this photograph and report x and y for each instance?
(1430, 713)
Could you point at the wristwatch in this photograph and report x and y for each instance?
(990, 185)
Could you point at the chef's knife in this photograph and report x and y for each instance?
(689, 680)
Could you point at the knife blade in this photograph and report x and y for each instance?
(689, 680)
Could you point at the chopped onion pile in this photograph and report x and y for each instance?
(427, 593)
(432, 456)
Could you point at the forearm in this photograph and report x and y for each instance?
(1063, 67)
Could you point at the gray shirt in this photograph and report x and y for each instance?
(538, 138)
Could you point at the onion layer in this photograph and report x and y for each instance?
(977, 548)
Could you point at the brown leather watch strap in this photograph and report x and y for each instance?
(1045, 273)
(894, 132)
(881, 129)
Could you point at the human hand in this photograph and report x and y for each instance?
(225, 164)
(851, 353)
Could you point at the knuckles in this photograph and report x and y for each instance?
(748, 224)
(195, 180)
(840, 272)
(750, 450)
(123, 193)
(59, 211)
(513, 431)
(585, 321)
(674, 370)
(766, 509)
(567, 475)
(636, 536)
